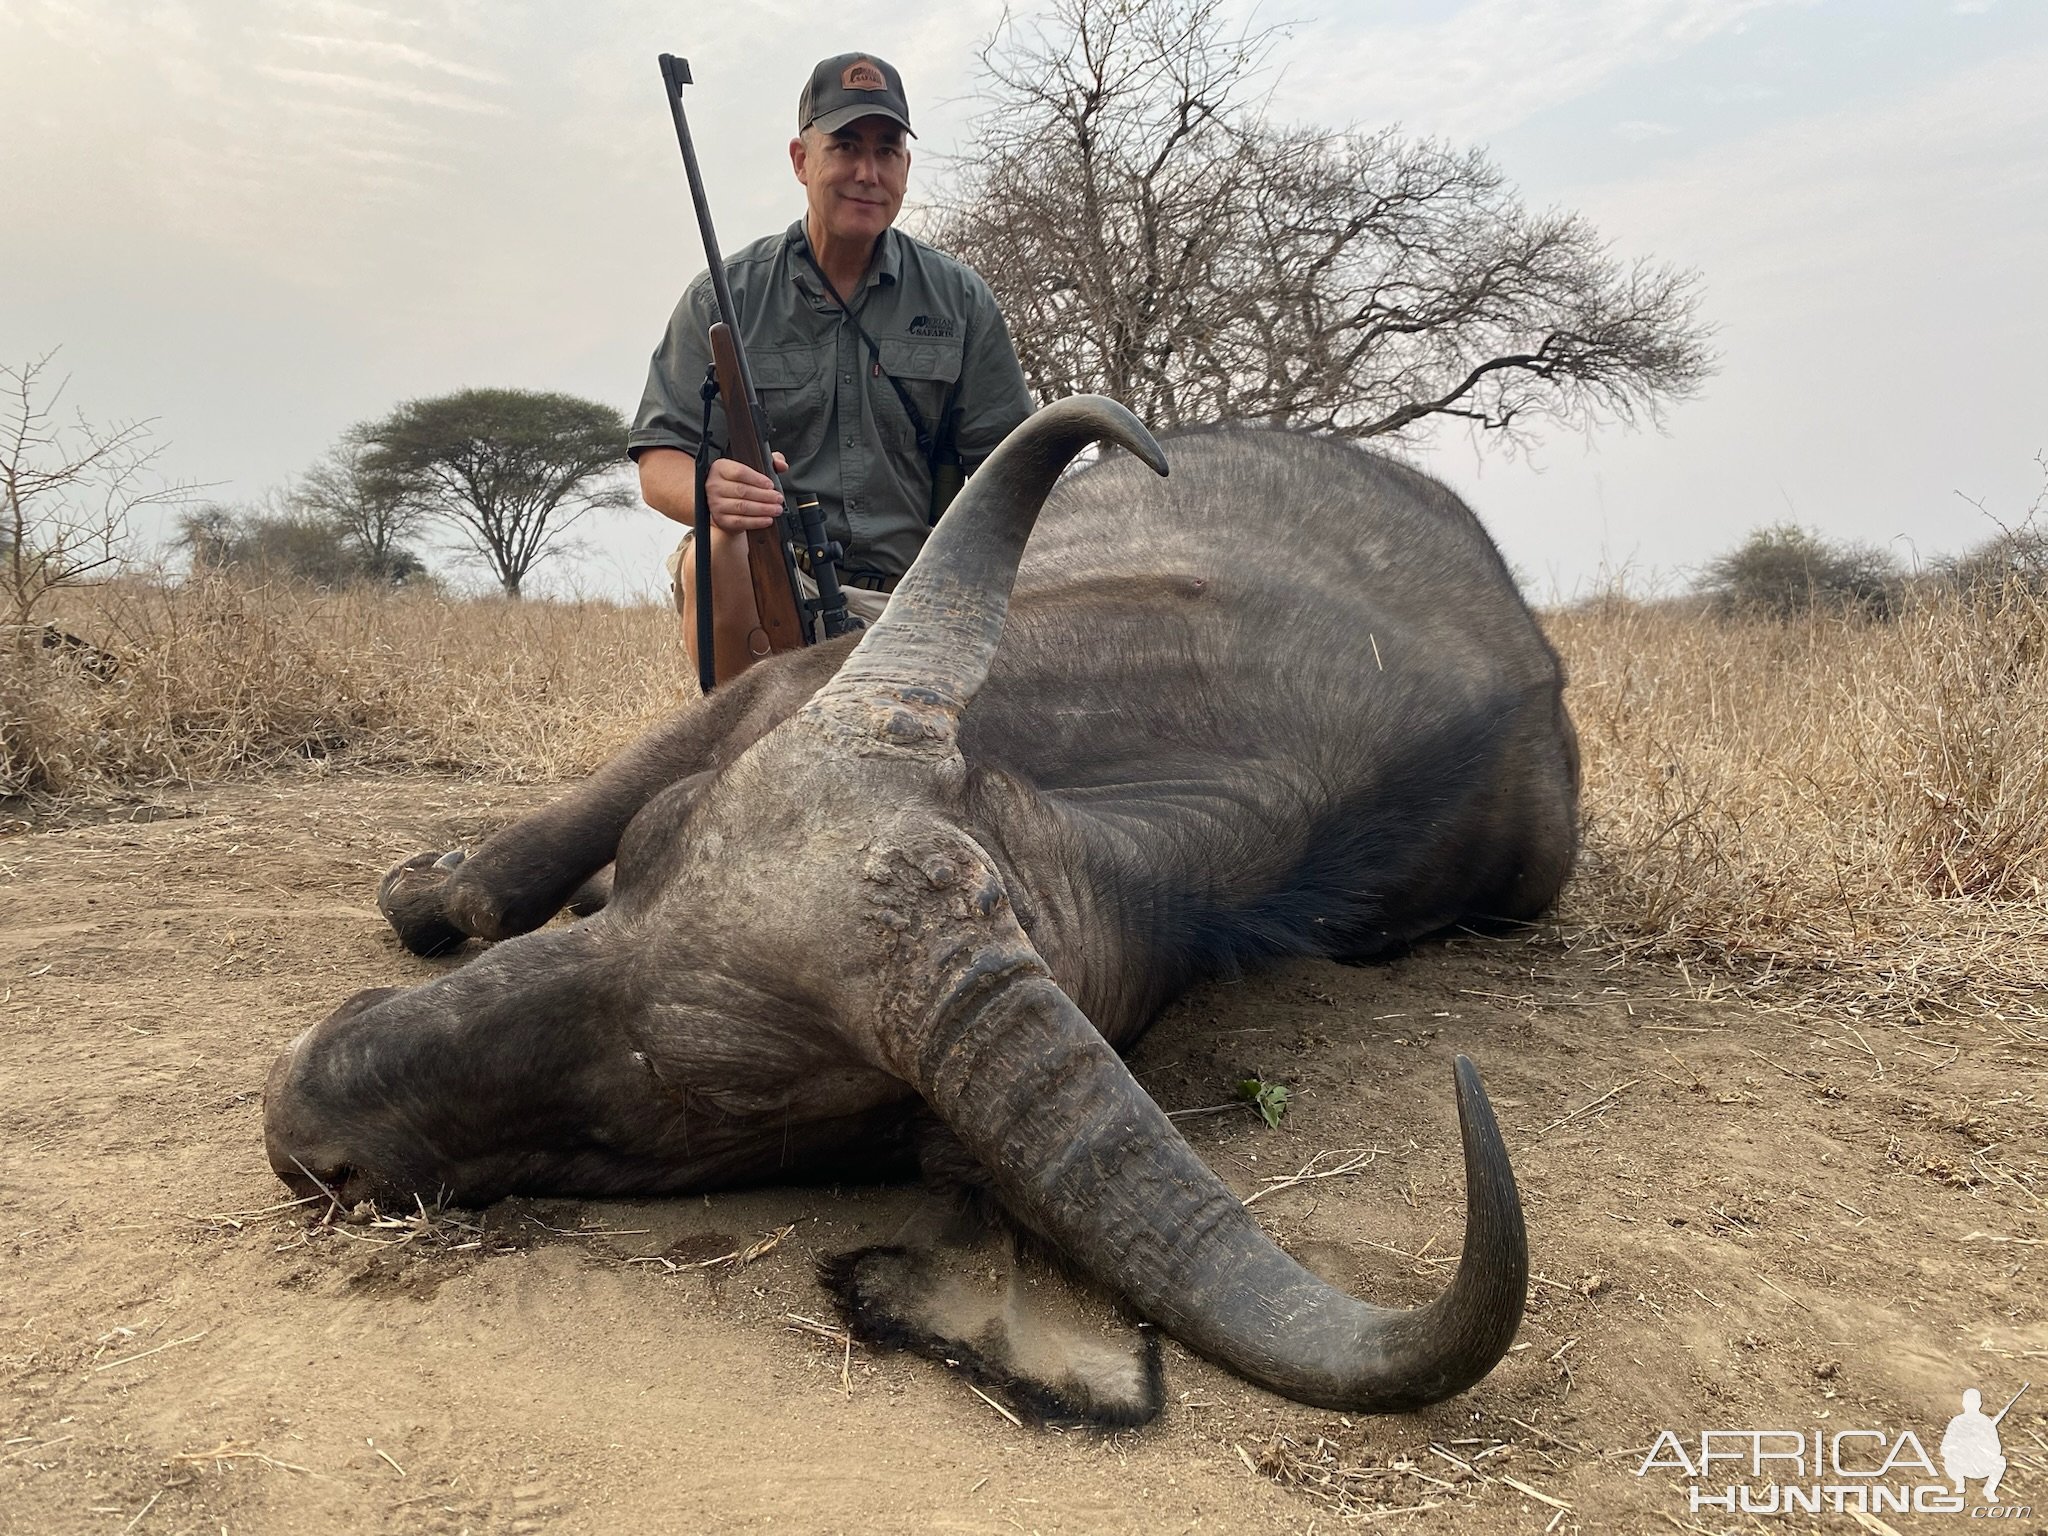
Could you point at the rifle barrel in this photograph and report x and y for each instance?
(675, 74)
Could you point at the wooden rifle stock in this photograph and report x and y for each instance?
(770, 564)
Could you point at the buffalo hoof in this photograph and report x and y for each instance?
(411, 900)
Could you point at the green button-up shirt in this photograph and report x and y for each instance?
(847, 438)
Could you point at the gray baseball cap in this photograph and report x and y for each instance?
(849, 86)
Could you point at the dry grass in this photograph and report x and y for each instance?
(1830, 812)
(221, 679)
(1834, 811)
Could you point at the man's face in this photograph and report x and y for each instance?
(853, 179)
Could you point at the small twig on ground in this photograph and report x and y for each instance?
(1683, 1066)
(141, 1512)
(1866, 1051)
(591, 1231)
(1537, 1494)
(1544, 1434)
(40, 1445)
(1377, 1515)
(194, 1338)
(1802, 1306)
(236, 1219)
(1403, 1253)
(229, 1450)
(1619, 1088)
(333, 1200)
(999, 1408)
(798, 1323)
(739, 1258)
(1356, 1160)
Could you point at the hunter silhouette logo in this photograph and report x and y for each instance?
(1856, 1471)
(861, 75)
(1970, 1448)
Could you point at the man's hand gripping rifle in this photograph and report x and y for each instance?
(771, 552)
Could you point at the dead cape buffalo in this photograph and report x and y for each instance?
(907, 899)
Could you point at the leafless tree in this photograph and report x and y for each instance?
(376, 513)
(1152, 236)
(67, 489)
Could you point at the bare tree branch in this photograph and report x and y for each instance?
(1152, 236)
(67, 489)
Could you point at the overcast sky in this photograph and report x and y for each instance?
(260, 223)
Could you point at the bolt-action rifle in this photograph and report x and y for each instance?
(2014, 1398)
(784, 611)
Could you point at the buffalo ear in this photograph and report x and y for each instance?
(1055, 1350)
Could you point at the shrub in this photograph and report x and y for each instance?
(1783, 571)
(272, 544)
(2015, 557)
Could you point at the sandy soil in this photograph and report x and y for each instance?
(1739, 1220)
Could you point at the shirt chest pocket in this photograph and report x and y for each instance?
(791, 384)
(928, 368)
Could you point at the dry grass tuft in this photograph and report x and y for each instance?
(1834, 810)
(221, 678)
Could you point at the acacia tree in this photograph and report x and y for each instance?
(1150, 235)
(67, 489)
(374, 512)
(509, 469)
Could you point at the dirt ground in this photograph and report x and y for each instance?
(1739, 1220)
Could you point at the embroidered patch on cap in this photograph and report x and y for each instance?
(860, 75)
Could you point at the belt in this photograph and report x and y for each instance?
(867, 581)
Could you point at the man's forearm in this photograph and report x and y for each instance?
(668, 483)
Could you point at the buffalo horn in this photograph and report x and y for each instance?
(1082, 1153)
(919, 664)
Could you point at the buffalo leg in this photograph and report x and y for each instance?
(524, 874)
(592, 896)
